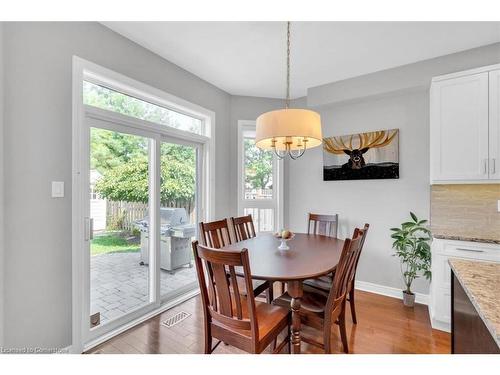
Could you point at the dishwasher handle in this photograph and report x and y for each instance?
(470, 250)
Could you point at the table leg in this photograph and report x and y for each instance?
(295, 291)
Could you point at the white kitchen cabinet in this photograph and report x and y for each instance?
(465, 127)
(494, 122)
(440, 291)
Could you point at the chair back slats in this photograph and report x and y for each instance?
(212, 299)
(236, 294)
(222, 292)
(343, 273)
(326, 225)
(363, 232)
(215, 234)
(219, 288)
(243, 227)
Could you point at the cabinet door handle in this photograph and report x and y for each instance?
(493, 166)
(485, 162)
(470, 250)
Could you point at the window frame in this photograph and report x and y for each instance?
(277, 202)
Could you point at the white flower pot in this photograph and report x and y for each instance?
(408, 299)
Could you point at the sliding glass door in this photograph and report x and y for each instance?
(178, 216)
(119, 185)
(143, 204)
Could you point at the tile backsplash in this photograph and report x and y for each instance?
(466, 210)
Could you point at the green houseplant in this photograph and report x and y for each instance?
(412, 246)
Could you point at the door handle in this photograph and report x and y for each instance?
(91, 236)
(493, 166)
(89, 229)
(485, 166)
(470, 250)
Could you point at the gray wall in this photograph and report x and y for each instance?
(395, 98)
(407, 77)
(38, 73)
(382, 203)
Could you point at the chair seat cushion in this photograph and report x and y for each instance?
(259, 286)
(312, 300)
(323, 283)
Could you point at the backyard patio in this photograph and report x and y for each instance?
(119, 284)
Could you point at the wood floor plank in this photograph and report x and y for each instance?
(384, 326)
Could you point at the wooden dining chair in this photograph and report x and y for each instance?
(324, 283)
(326, 225)
(320, 310)
(230, 317)
(216, 234)
(243, 227)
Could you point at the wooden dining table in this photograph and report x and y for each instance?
(309, 256)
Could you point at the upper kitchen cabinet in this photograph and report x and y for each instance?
(465, 127)
(494, 135)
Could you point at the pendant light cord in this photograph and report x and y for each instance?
(287, 102)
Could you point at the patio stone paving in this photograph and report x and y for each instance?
(119, 284)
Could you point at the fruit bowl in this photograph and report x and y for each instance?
(284, 237)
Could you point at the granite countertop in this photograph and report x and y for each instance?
(455, 237)
(481, 282)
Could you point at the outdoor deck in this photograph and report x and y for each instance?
(119, 284)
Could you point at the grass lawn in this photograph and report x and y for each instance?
(112, 243)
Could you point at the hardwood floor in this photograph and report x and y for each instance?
(384, 326)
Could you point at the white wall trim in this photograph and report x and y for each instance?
(389, 291)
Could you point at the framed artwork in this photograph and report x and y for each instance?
(363, 156)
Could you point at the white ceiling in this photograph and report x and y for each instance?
(248, 58)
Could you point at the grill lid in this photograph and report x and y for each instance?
(169, 216)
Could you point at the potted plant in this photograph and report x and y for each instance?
(411, 243)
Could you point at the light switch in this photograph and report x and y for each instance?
(57, 189)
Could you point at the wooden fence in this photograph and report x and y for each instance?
(121, 215)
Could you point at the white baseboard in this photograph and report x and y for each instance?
(389, 291)
(442, 326)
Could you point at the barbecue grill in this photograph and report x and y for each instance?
(175, 238)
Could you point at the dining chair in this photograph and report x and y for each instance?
(320, 310)
(243, 227)
(324, 283)
(230, 317)
(216, 234)
(326, 225)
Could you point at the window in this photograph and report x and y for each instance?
(258, 171)
(258, 181)
(105, 98)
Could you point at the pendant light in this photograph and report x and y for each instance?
(288, 131)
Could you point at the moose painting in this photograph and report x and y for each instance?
(372, 155)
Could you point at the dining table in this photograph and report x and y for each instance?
(309, 256)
